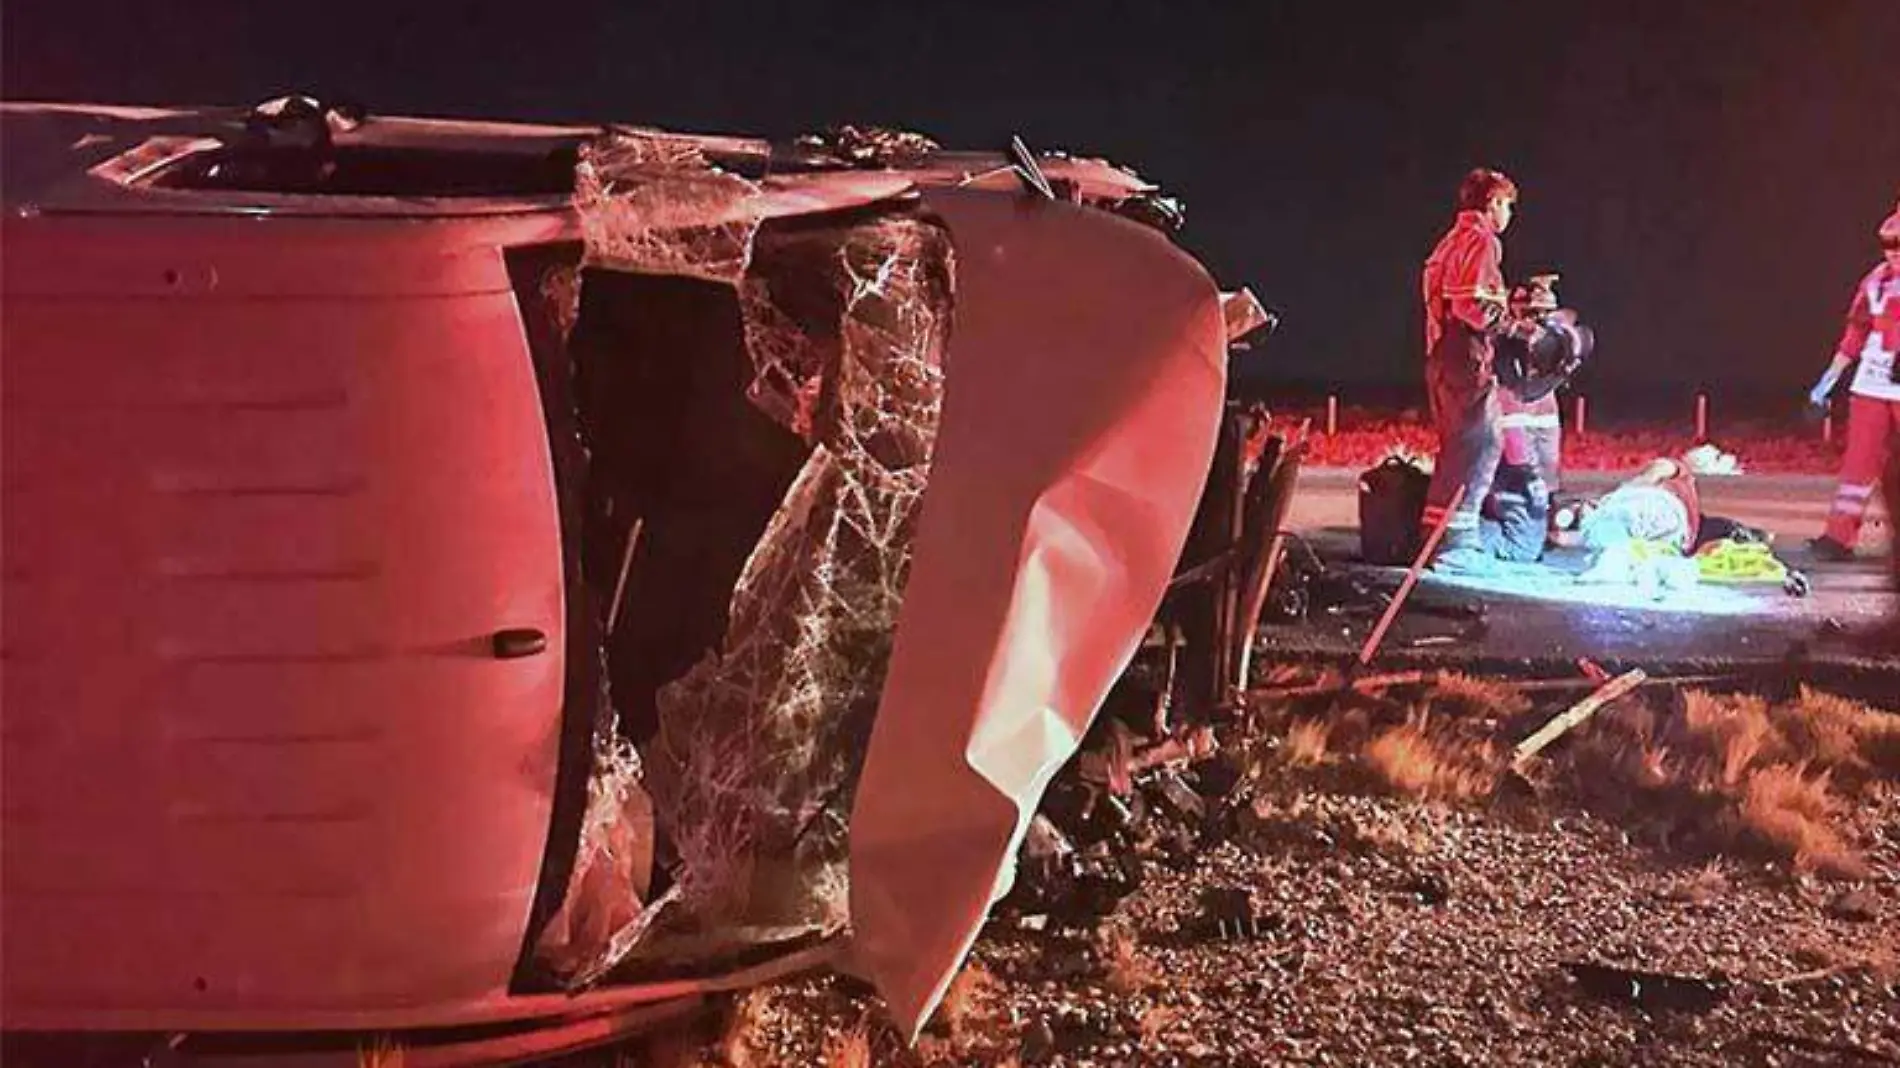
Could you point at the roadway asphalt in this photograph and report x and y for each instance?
(1538, 619)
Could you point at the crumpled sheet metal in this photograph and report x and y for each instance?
(1097, 182)
(653, 204)
(1084, 390)
(759, 747)
(1243, 313)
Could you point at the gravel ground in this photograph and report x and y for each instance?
(1393, 930)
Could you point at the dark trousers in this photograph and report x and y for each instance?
(1517, 514)
(1463, 392)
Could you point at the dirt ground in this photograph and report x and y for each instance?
(1398, 895)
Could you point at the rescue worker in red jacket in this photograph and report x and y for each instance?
(1533, 429)
(1516, 515)
(1465, 307)
(1871, 340)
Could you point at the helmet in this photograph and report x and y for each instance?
(1535, 297)
(1562, 345)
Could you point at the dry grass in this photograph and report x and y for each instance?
(1155, 1023)
(1388, 837)
(1306, 743)
(966, 1001)
(1705, 886)
(1411, 760)
(1740, 774)
(1876, 959)
(1125, 970)
(850, 1048)
(1269, 675)
(1733, 734)
(1706, 772)
(383, 1053)
(1841, 734)
(1791, 814)
(1494, 699)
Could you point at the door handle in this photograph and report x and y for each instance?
(517, 642)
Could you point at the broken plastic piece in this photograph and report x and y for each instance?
(1228, 913)
(1243, 313)
(1166, 214)
(1180, 798)
(1650, 991)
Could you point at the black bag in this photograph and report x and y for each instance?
(1391, 506)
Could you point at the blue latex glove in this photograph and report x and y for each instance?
(1822, 389)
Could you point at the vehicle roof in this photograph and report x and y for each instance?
(108, 159)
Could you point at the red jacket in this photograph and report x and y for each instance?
(1872, 334)
(1464, 279)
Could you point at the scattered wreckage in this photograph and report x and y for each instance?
(488, 582)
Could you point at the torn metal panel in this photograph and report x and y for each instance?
(758, 749)
(1097, 182)
(1273, 469)
(783, 196)
(1243, 313)
(1084, 391)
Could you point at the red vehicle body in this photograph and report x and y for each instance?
(285, 625)
(272, 490)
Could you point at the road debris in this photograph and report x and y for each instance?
(1576, 714)
(1366, 925)
(1649, 991)
(1411, 579)
(1229, 912)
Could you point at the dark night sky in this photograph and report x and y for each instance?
(1707, 174)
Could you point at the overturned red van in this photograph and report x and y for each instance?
(304, 644)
